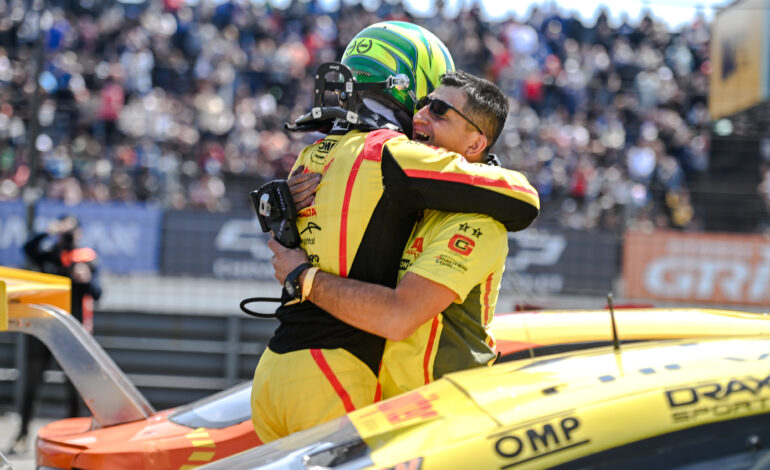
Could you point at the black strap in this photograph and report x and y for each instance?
(294, 274)
(247, 311)
(296, 271)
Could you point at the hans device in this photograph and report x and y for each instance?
(276, 211)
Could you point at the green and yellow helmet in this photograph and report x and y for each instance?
(408, 57)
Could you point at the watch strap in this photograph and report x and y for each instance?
(307, 283)
(292, 279)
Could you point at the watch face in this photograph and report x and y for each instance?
(289, 286)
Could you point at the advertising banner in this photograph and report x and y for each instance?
(125, 236)
(225, 246)
(739, 51)
(697, 267)
(232, 246)
(542, 262)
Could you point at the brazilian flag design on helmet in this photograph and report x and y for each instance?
(409, 57)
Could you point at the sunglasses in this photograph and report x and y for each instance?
(440, 108)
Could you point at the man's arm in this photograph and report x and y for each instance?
(31, 247)
(391, 313)
(434, 178)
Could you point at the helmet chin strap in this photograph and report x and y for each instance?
(358, 111)
(328, 117)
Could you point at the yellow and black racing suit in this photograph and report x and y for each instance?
(373, 187)
(465, 253)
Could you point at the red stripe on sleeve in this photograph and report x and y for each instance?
(320, 360)
(472, 180)
(429, 349)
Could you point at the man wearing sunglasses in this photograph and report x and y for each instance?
(436, 319)
(451, 128)
(375, 183)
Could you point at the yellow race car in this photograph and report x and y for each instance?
(663, 404)
(537, 333)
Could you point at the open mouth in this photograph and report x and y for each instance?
(421, 136)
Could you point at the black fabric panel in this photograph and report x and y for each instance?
(307, 326)
(382, 245)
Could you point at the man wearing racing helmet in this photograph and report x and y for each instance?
(454, 260)
(375, 181)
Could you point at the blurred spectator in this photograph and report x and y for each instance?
(178, 103)
(58, 251)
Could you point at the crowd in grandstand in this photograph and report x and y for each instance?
(172, 102)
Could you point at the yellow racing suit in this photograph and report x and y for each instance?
(466, 253)
(374, 185)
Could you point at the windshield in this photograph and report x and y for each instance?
(333, 444)
(221, 410)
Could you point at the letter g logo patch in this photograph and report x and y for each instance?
(461, 244)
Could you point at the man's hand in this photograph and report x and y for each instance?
(285, 259)
(81, 273)
(303, 187)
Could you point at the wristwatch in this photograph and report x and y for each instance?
(291, 285)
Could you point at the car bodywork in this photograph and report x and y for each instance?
(537, 333)
(126, 432)
(38, 304)
(649, 405)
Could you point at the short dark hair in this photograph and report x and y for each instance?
(486, 104)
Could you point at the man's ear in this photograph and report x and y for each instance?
(474, 150)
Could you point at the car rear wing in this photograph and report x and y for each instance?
(38, 304)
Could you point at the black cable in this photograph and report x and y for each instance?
(249, 300)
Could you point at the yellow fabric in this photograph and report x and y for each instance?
(290, 393)
(361, 179)
(458, 250)
(415, 157)
(464, 252)
(320, 224)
